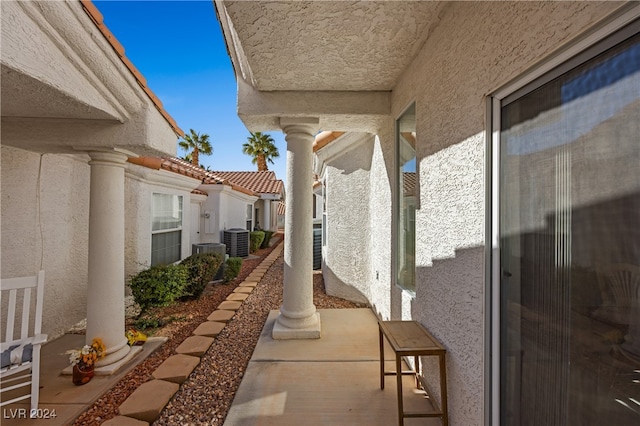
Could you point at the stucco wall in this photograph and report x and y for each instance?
(346, 268)
(228, 210)
(448, 80)
(45, 221)
(380, 205)
(235, 211)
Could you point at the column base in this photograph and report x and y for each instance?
(107, 370)
(113, 362)
(310, 328)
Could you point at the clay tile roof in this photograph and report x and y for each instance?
(185, 168)
(259, 182)
(198, 192)
(97, 19)
(281, 208)
(409, 183)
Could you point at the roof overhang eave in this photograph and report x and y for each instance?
(363, 111)
(239, 61)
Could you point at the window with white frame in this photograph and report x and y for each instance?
(249, 217)
(567, 226)
(166, 228)
(315, 206)
(406, 199)
(324, 212)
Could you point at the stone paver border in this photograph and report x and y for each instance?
(237, 297)
(176, 368)
(146, 403)
(230, 305)
(221, 316)
(209, 328)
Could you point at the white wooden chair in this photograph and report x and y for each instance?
(22, 338)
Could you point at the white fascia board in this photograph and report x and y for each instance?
(161, 177)
(269, 196)
(249, 199)
(337, 148)
(339, 110)
(227, 190)
(211, 188)
(198, 198)
(144, 135)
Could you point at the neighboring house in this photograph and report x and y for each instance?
(172, 205)
(74, 109)
(515, 125)
(270, 191)
(217, 204)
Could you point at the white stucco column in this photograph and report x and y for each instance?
(105, 298)
(266, 215)
(298, 318)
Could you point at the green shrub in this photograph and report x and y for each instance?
(149, 323)
(158, 285)
(257, 237)
(202, 267)
(267, 239)
(232, 268)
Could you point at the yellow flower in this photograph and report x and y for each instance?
(88, 355)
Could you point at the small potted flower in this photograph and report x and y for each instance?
(84, 359)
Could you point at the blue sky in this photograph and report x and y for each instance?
(179, 48)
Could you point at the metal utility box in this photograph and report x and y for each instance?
(237, 242)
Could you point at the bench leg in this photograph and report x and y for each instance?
(443, 390)
(399, 382)
(381, 358)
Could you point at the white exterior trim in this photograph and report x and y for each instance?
(161, 177)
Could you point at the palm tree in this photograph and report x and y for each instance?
(198, 144)
(262, 148)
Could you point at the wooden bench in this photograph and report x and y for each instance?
(22, 338)
(410, 338)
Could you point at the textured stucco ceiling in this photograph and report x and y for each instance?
(328, 45)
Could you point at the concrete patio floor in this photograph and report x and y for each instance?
(58, 395)
(329, 381)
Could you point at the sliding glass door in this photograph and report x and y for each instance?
(569, 237)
